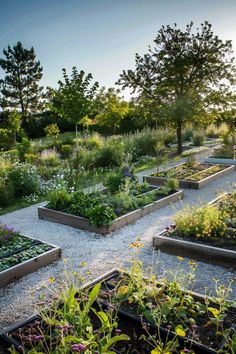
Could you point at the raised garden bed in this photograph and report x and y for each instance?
(135, 320)
(195, 177)
(219, 250)
(84, 223)
(20, 255)
(219, 160)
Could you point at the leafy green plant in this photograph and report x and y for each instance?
(59, 199)
(113, 181)
(101, 215)
(198, 138)
(172, 184)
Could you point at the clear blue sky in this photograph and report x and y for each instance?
(102, 36)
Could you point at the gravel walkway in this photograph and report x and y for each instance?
(102, 253)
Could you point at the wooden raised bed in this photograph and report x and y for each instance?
(188, 183)
(219, 160)
(201, 252)
(84, 224)
(129, 318)
(29, 266)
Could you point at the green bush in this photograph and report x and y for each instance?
(25, 179)
(94, 141)
(172, 184)
(113, 181)
(6, 192)
(23, 148)
(198, 139)
(59, 199)
(66, 151)
(6, 140)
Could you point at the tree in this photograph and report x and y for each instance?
(74, 98)
(15, 121)
(19, 88)
(113, 109)
(186, 76)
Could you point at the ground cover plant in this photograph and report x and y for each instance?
(15, 248)
(130, 311)
(121, 195)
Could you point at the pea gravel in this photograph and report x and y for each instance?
(102, 253)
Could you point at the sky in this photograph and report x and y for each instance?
(102, 36)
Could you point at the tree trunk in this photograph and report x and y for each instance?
(179, 138)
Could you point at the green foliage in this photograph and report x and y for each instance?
(172, 184)
(25, 179)
(52, 130)
(204, 222)
(7, 192)
(19, 88)
(23, 148)
(112, 109)
(6, 140)
(74, 98)
(66, 151)
(14, 120)
(101, 215)
(191, 80)
(113, 181)
(59, 199)
(198, 139)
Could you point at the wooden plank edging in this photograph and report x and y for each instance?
(155, 181)
(84, 224)
(30, 265)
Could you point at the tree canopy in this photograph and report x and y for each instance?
(74, 98)
(186, 77)
(20, 89)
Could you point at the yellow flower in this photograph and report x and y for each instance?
(180, 258)
(191, 262)
(83, 264)
(180, 331)
(51, 279)
(214, 311)
(137, 244)
(123, 290)
(155, 351)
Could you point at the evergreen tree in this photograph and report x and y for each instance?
(19, 88)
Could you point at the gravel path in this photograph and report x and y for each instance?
(103, 253)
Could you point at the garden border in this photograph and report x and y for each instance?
(155, 181)
(220, 161)
(84, 224)
(30, 265)
(205, 253)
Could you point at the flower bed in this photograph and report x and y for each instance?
(20, 255)
(122, 202)
(190, 176)
(128, 313)
(207, 233)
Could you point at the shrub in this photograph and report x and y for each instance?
(172, 184)
(198, 139)
(23, 148)
(25, 179)
(66, 151)
(206, 221)
(50, 158)
(59, 199)
(94, 141)
(6, 140)
(112, 154)
(113, 181)
(6, 192)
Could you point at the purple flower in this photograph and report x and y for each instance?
(117, 331)
(78, 347)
